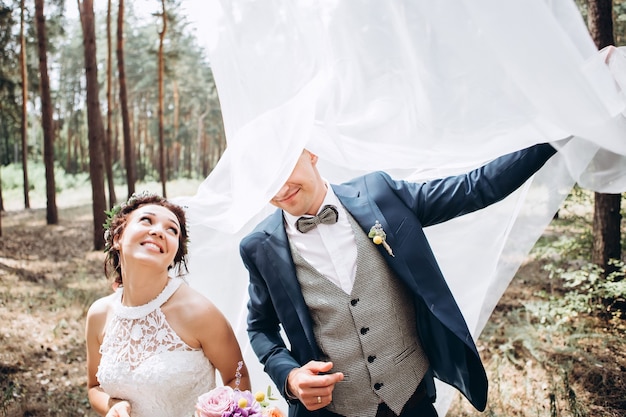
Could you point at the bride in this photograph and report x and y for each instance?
(420, 90)
(154, 345)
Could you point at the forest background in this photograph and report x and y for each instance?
(97, 106)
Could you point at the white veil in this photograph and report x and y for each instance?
(420, 89)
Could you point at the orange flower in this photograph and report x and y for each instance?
(273, 412)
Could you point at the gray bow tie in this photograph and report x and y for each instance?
(327, 215)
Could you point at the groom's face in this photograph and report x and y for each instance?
(304, 190)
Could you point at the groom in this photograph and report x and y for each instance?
(367, 312)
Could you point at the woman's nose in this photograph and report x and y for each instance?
(156, 230)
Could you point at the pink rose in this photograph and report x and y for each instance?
(215, 403)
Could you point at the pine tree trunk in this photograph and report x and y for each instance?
(24, 107)
(52, 215)
(129, 161)
(606, 216)
(606, 230)
(108, 161)
(94, 123)
(161, 70)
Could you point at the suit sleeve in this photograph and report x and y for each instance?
(263, 323)
(439, 200)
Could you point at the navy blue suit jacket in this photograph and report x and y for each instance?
(403, 209)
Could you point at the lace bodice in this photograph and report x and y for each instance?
(146, 362)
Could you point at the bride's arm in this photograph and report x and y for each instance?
(100, 401)
(215, 335)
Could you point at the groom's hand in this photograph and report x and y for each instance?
(312, 385)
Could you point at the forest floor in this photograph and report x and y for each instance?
(556, 363)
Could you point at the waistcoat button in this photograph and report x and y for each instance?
(378, 385)
(364, 330)
(354, 301)
(371, 358)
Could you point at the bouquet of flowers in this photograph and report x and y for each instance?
(228, 402)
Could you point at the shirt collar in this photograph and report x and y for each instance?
(330, 198)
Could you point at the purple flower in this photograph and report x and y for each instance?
(251, 408)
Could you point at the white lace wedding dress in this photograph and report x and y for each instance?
(145, 362)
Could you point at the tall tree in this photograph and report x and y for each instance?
(52, 216)
(161, 70)
(24, 74)
(129, 161)
(1, 205)
(108, 160)
(94, 122)
(71, 95)
(606, 215)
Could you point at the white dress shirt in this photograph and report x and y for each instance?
(329, 248)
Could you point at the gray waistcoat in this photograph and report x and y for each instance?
(369, 335)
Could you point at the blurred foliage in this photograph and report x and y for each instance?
(13, 177)
(582, 290)
(193, 122)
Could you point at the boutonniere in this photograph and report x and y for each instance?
(379, 237)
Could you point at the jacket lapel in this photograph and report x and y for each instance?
(365, 211)
(284, 284)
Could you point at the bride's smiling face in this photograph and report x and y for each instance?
(151, 235)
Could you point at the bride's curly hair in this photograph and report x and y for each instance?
(116, 222)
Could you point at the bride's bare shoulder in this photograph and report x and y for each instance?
(192, 301)
(101, 306)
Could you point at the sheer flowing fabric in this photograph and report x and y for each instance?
(421, 90)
